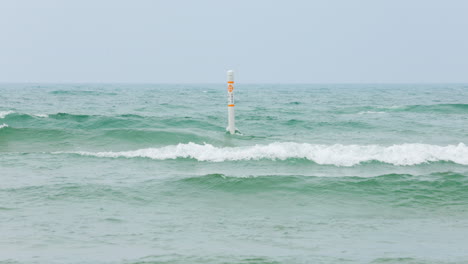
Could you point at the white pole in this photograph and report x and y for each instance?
(231, 118)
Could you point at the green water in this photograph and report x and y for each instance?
(142, 173)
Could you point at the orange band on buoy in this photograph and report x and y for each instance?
(230, 82)
(230, 105)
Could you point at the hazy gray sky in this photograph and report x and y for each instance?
(263, 41)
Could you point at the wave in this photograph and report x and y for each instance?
(81, 92)
(337, 154)
(46, 137)
(430, 109)
(12, 115)
(440, 190)
(370, 112)
(436, 181)
(63, 116)
(81, 121)
(3, 114)
(439, 108)
(41, 115)
(69, 120)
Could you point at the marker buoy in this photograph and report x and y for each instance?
(230, 88)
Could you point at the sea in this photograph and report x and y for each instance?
(316, 173)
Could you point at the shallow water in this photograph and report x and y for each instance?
(142, 173)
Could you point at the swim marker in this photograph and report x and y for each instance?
(230, 88)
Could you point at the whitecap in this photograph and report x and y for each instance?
(3, 114)
(41, 115)
(339, 155)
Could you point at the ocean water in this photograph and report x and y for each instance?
(143, 173)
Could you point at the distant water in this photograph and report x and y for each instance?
(123, 173)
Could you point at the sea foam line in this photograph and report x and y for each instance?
(4, 125)
(337, 154)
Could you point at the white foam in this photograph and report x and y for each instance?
(338, 155)
(371, 112)
(391, 107)
(41, 115)
(4, 125)
(5, 113)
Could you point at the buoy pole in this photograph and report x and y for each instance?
(231, 117)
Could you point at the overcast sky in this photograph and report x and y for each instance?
(293, 41)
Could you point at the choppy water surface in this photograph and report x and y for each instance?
(122, 173)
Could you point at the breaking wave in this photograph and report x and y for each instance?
(3, 114)
(337, 154)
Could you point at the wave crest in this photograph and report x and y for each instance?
(337, 154)
(3, 114)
